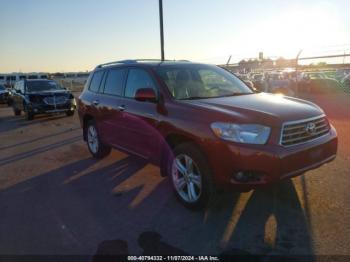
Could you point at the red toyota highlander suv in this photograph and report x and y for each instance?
(202, 125)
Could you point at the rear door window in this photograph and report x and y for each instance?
(114, 82)
(96, 81)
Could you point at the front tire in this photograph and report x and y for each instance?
(70, 113)
(29, 115)
(16, 111)
(96, 147)
(191, 176)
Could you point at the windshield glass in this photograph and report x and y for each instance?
(35, 86)
(201, 81)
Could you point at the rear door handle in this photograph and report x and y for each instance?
(95, 102)
(121, 107)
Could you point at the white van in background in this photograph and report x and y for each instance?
(9, 80)
(37, 76)
(2, 79)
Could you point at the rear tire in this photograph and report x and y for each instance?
(96, 147)
(194, 185)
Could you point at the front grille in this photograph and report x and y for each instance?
(35, 98)
(55, 100)
(305, 130)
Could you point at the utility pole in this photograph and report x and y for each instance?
(228, 61)
(161, 29)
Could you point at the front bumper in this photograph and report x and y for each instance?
(43, 108)
(270, 163)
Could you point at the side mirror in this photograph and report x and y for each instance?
(146, 94)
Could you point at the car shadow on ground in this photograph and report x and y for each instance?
(78, 209)
(51, 135)
(11, 123)
(42, 149)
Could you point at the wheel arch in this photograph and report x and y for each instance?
(171, 141)
(174, 140)
(86, 119)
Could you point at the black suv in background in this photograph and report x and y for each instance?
(41, 97)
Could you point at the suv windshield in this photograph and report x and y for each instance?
(201, 81)
(35, 86)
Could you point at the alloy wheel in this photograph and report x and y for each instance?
(187, 178)
(92, 139)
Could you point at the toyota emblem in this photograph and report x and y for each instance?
(310, 128)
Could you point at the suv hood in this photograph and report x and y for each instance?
(262, 108)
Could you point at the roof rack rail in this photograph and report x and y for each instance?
(128, 61)
(109, 63)
(133, 61)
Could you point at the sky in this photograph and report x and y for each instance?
(76, 35)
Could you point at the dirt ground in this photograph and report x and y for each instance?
(56, 199)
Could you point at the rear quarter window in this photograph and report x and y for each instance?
(96, 81)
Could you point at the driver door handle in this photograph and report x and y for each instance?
(121, 108)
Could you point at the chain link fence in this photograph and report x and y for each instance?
(76, 86)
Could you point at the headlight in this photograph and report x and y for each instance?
(244, 133)
(74, 102)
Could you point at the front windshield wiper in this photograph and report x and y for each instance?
(236, 94)
(207, 97)
(195, 97)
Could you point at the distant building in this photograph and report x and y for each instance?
(10, 79)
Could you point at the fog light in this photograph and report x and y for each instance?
(244, 177)
(241, 177)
